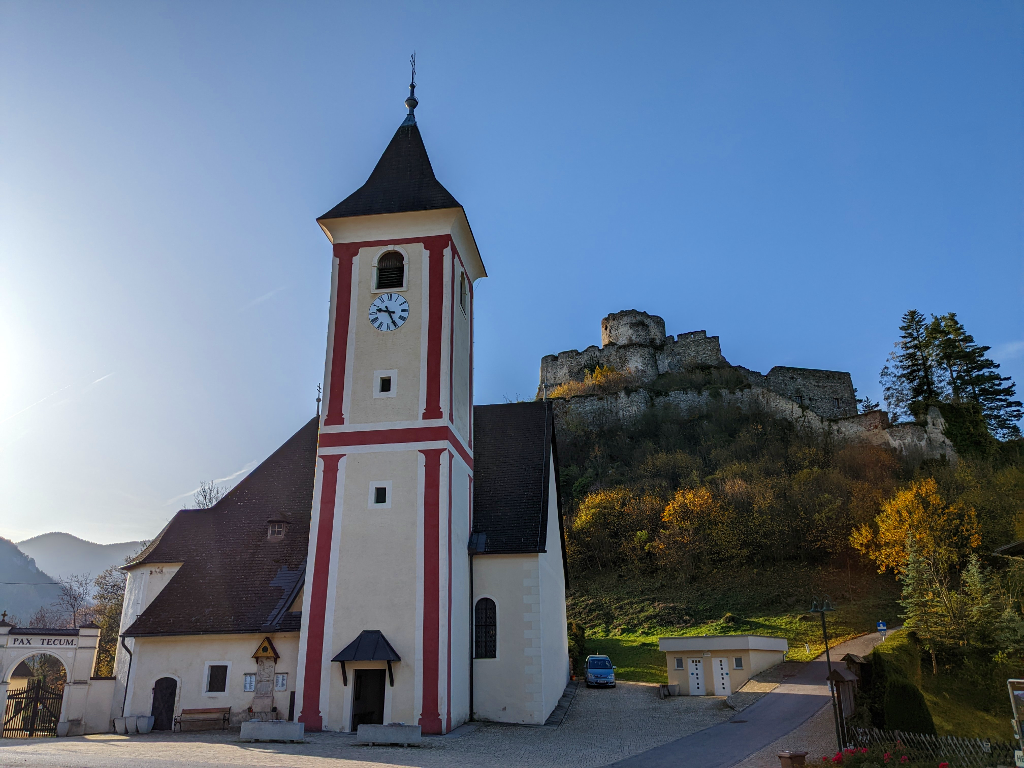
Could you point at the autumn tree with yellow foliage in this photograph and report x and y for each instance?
(917, 516)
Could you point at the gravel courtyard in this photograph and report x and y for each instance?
(601, 726)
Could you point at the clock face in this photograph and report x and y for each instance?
(389, 311)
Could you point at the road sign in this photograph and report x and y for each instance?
(881, 630)
(1018, 758)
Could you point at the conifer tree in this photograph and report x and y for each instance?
(909, 374)
(974, 377)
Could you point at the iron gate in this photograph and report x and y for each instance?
(32, 711)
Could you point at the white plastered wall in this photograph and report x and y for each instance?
(378, 574)
(144, 583)
(500, 684)
(185, 658)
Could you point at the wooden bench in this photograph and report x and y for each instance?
(203, 719)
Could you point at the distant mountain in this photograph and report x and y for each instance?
(26, 595)
(62, 554)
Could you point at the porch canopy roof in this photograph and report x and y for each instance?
(371, 645)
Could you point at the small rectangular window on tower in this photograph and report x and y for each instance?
(836, 399)
(385, 383)
(380, 495)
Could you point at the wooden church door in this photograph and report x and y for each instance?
(164, 692)
(368, 697)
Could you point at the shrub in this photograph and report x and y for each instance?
(905, 708)
(604, 380)
(577, 647)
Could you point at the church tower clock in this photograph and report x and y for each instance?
(385, 633)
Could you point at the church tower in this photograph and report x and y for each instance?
(386, 604)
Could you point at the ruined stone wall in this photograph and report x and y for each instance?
(916, 441)
(828, 393)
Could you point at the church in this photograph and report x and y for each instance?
(401, 557)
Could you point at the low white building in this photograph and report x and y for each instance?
(718, 665)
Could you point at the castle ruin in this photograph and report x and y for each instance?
(636, 342)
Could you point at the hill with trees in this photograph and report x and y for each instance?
(732, 520)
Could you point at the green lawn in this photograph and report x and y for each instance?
(625, 615)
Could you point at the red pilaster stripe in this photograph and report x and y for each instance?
(310, 714)
(451, 344)
(435, 319)
(344, 253)
(448, 665)
(439, 433)
(430, 717)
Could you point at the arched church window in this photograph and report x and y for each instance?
(486, 626)
(390, 271)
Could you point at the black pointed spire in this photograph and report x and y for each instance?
(403, 179)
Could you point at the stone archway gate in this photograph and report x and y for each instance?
(87, 700)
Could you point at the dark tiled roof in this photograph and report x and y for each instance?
(370, 645)
(233, 578)
(512, 450)
(402, 181)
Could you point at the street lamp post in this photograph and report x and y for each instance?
(824, 607)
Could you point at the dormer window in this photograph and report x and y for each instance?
(390, 271)
(463, 291)
(275, 530)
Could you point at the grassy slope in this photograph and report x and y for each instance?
(966, 705)
(625, 615)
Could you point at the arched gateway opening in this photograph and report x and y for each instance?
(35, 695)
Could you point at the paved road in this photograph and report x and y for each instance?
(763, 722)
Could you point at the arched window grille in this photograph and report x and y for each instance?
(390, 271)
(486, 626)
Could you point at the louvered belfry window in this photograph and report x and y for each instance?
(486, 626)
(390, 271)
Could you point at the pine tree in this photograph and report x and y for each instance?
(909, 374)
(919, 602)
(974, 377)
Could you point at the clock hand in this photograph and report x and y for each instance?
(391, 314)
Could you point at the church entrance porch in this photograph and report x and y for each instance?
(368, 697)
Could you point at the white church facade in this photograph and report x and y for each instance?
(401, 557)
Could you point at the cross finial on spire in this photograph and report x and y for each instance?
(319, 392)
(411, 102)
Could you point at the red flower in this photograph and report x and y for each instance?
(904, 759)
(887, 756)
(865, 749)
(943, 765)
(838, 758)
(824, 758)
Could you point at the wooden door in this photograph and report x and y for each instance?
(368, 697)
(164, 692)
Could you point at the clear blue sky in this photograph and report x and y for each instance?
(788, 176)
